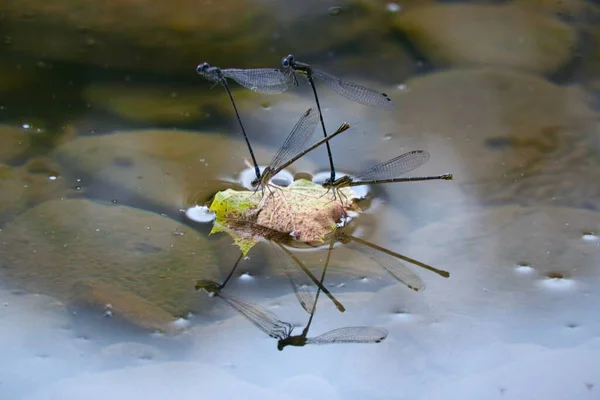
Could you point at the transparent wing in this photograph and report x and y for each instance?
(301, 284)
(261, 80)
(309, 274)
(354, 92)
(354, 334)
(297, 140)
(391, 264)
(265, 320)
(395, 167)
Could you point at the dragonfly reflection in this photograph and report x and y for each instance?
(270, 324)
(297, 273)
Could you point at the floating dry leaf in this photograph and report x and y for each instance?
(304, 211)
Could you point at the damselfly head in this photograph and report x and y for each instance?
(255, 182)
(265, 177)
(291, 341)
(202, 68)
(287, 61)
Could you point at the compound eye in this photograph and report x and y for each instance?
(285, 62)
(202, 67)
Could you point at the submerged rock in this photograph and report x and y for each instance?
(15, 76)
(522, 258)
(507, 136)
(151, 35)
(130, 263)
(15, 143)
(143, 35)
(161, 104)
(173, 169)
(572, 9)
(489, 35)
(24, 187)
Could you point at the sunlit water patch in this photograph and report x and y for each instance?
(283, 178)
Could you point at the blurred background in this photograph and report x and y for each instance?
(108, 137)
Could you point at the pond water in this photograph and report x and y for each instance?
(110, 143)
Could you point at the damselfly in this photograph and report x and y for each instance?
(350, 90)
(262, 80)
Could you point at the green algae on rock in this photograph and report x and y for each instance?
(303, 212)
(87, 253)
(514, 36)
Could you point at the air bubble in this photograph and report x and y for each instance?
(108, 310)
(590, 236)
(335, 10)
(401, 315)
(246, 276)
(52, 177)
(180, 323)
(558, 281)
(200, 214)
(393, 7)
(388, 136)
(282, 180)
(524, 268)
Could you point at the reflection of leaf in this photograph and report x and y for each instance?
(232, 204)
(304, 210)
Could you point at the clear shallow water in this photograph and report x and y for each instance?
(517, 229)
